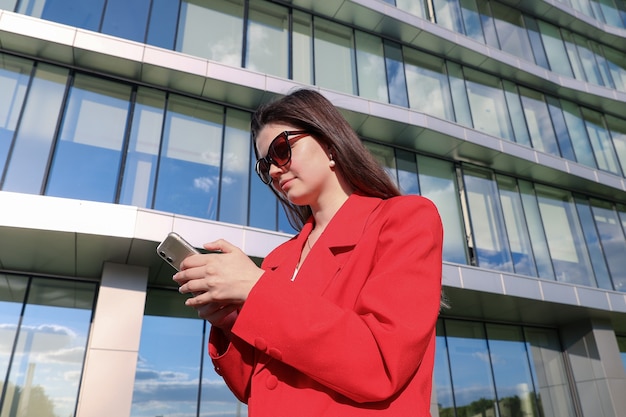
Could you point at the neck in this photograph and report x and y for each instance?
(326, 210)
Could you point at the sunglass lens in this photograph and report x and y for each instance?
(263, 171)
(280, 151)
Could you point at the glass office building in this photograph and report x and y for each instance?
(121, 121)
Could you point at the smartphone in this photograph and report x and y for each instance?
(174, 249)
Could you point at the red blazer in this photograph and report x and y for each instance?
(354, 333)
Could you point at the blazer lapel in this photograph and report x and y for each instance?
(335, 246)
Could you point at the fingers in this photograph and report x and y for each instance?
(219, 315)
(220, 245)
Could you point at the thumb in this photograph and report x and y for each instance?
(220, 245)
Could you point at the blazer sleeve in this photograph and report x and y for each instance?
(368, 351)
(233, 360)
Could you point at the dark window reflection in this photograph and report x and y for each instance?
(84, 14)
(126, 19)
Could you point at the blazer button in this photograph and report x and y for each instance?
(275, 353)
(260, 344)
(271, 382)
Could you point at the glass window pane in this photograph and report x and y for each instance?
(548, 370)
(126, 19)
(8, 5)
(335, 66)
(448, 14)
(370, 58)
(12, 293)
(578, 133)
(516, 228)
(538, 121)
(472, 20)
(610, 13)
(267, 39)
(603, 65)
(488, 105)
(601, 141)
(441, 374)
(560, 129)
(536, 43)
(283, 222)
(518, 121)
(396, 81)
(85, 14)
(415, 7)
(170, 357)
(14, 77)
(512, 34)
(613, 241)
(212, 30)
(263, 210)
(427, 83)
(616, 62)
(555, 49)
(474, 393)
(588, 61)
(565, 239)
(143, 148)
(535, 230)
(50, 349)
(163, 22)
(458, 92)
(235, 168)
(385, 156)
(89, 148)
(490, 242)
(188, 177)
(407, 172)
(437, 180)
(33, 141)
(487, 21)
(617, 129)
(572, 53)
(302, 48)
(596, 256)
(511, 370)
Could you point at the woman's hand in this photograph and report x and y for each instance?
(220, 282)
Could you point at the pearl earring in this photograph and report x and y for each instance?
(332, 162)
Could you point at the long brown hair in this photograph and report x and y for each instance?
(308, 110)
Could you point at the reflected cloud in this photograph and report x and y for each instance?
(204, 183)
(56, 337)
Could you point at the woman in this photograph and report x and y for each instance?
(340, 320)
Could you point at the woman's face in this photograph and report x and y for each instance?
(305, 177)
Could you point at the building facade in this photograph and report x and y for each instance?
(121, 121)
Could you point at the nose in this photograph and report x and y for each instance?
(276, 171)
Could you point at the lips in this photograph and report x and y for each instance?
(283, 183)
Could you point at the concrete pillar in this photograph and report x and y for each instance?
(111, 359)
(598, 372)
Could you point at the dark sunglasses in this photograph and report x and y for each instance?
(278, 153)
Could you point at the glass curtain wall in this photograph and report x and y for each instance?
(174, 373)
(187, 26)
(237, 33)
(88, 151)
(484, 369)
(506, 370)
(125, 144)
(537, 41)
(44, 327)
